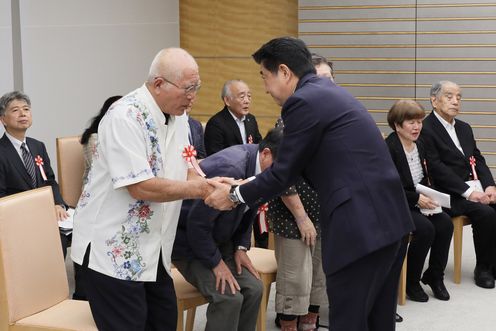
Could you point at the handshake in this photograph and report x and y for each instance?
(219, 193)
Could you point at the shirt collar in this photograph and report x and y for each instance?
(157, 114)
(258, 169)
(447, 126)
(16, 142)
(234, 116)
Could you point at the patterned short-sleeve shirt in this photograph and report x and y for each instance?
(126, 235)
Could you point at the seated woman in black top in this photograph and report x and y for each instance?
(433, 231)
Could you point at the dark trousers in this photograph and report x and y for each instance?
(363, 295)
(130, 305)
(483, 219)
(431, 232)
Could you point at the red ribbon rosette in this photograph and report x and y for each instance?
(39, 163)
(189, 154)
(262, 220)
(472, 165)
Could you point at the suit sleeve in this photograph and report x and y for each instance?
(302, 134)
(443, 176)
(243, 233)
(214, 137)
(51, 178)
(3, 181)
(199, 234)
(483, 171)
(201, 144)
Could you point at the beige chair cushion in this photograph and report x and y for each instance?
(67, 315)
(34, 276)
(184, 290)
(264, 260)
(70, 166)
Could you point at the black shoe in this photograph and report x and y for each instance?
(483, 277)
(438, 289)
(415, 292)
(398, 318)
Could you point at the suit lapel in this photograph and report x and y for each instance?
(443, 134)
(17, 164)
(405, 168)
(463, 142)
(232, 123)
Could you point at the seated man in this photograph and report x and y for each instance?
(24, 162)
(453, 160)
(210, 246)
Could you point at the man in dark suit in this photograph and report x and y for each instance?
(210, 246)
(234, 124)
(24, 162)
(332, 141)
(454, 159)
(195, 137)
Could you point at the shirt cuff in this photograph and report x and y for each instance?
(240, 197)
(467, 193)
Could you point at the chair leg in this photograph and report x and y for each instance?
(457, 248)
(180, 317)
(402, 286)
(190, 319)
(262, 312)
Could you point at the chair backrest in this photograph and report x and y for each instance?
(32, 269)
(70, 166)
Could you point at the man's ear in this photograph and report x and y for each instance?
(285, 71)
(227, 101)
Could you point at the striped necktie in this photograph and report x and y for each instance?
(28, 163)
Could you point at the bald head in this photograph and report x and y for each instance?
(170, 63)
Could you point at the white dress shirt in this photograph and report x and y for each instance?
(241, 125)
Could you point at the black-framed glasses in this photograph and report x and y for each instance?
(187, 90)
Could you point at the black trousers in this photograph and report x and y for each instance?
(363, 295)
(431, 232)
(483, 218)
(130, 305)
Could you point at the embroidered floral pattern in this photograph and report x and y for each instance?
(124, 245)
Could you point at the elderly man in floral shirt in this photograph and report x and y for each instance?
(126, 218)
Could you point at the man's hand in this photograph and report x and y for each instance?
(491, 192)
(61, 213)
(243, 260)
(222, 276)
(425, 202)
(307, 231)
(479, 197)
(219, 199)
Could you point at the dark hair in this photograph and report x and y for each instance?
(404, 110)
(7, 98)
(286, 50)
(271, 141)
(319, 59)
(93, 128)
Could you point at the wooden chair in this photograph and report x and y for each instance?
(70, 167)
(188, 298)
(264, 260)
(458, 223)
(402, 286)
(34, 289)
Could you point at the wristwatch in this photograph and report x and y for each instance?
(241, 248)
(233, 197)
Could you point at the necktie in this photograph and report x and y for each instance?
(28, 163)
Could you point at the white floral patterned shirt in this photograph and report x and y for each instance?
(126, 235)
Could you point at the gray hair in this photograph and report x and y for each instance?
(437, 87)
(226, 91)
(165, 64)
(7, 98)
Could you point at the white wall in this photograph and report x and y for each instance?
(77, 53)
(6, 71)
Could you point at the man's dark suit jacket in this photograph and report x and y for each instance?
(449, 168)
(222, 131)
(202, 229)
(14, 177)
(331, 139)
(196, 130)
(399, 159)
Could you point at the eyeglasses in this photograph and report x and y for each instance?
(187, 90)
